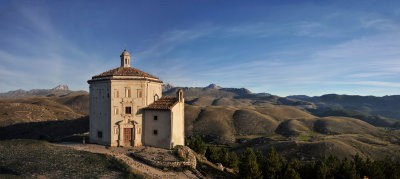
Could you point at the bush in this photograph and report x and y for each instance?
(197, 144)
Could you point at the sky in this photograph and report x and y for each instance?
(278, 47)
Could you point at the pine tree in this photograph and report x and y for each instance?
(333, 163)
(294, 164)
(248, 167)
(224, 156)
(359, 164)
(213, 154)
(321, 170)
(347, 170)
(197, 145)
(260, 159)
(273, 164)
(233, 161)
(291, 173)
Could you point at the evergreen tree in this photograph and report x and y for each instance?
(213, 154)
(359, 164)
(390, 168)
(224, 156)
(347, 170)
(248, 167)
(273, 164)
(322, 171)
(307, 170)
(333, 163)
(373, 169)
(294, 164)
(233, 161)
(197, 144)
(260, 159)
(291, 173)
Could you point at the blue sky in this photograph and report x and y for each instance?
(283, 48)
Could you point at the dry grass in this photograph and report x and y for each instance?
(32, 158)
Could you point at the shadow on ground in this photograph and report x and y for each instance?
(49, 130)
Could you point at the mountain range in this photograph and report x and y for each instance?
(297, 126)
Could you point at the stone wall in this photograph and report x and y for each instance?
(188, 159)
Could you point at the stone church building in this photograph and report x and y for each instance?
(127, 109)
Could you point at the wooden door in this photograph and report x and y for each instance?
(128, 136)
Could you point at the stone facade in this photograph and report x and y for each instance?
(122, 112)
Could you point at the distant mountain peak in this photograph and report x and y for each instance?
(213, 86)
(166, 86)
(61, 88)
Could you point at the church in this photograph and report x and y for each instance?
(127, 109)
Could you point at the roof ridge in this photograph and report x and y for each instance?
(164, 103)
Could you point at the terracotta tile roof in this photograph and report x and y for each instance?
(124, 71)
(164, 103)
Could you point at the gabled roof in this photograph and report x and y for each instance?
(164, 103)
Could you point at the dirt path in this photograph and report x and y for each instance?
(122, 153)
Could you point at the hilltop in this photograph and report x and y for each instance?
(302, 127)
(59, 90)
(299, 128)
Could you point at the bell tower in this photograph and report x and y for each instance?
(125, 59)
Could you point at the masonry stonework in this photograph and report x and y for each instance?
(127, 109)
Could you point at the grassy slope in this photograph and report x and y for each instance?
(32, 158)
(221, 116)
(37, 109)
(292, 130)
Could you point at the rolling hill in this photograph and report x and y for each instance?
(234, 117)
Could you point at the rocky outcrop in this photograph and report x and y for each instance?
(61, 87)
(213, 86)
(166, 86)
(186, 158)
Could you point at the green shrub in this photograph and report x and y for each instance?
(197, 144)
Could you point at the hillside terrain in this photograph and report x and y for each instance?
(233, 117)
(299, 128)
(386, 107)
(40, 159)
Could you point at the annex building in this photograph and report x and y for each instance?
(127, 109)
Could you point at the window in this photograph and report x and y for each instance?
(139, 131)
(155, 118)
(127, 92)
(139, 93)
(128, 110)
(99, 134)
(116, 111)
(116, 93)
(155, 132)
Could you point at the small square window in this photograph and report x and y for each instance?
(155, 132)
(99, 134)
(155, 118)
(128, 110)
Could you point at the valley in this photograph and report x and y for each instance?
(232, 117)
